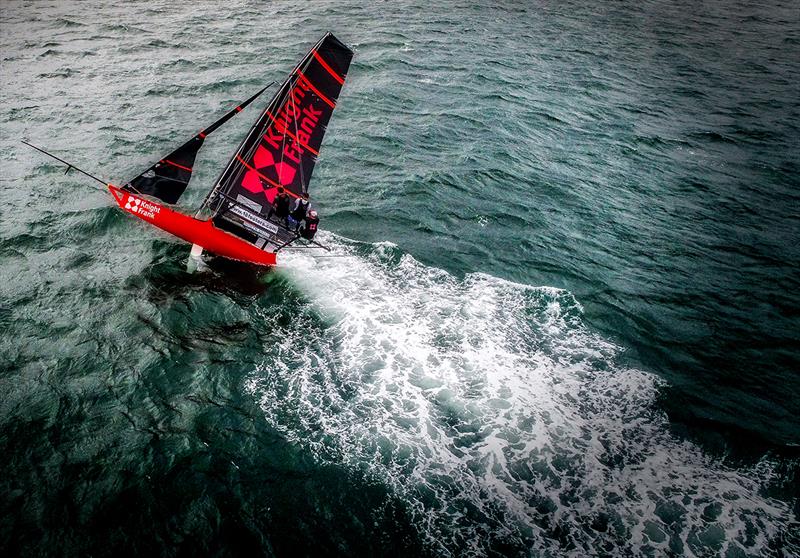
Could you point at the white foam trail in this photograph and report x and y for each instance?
(496, 415)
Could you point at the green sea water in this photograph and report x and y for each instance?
(562, 316)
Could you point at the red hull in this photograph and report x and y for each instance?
(202, 233)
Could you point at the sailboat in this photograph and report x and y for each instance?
(280, 150)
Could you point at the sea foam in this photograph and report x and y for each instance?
(496, 415)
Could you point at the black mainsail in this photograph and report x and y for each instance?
(282, 146)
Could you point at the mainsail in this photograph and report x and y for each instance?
(283, 145)
(168, 177)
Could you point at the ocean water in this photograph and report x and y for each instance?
(560, 315)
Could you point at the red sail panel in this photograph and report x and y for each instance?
(282, 147)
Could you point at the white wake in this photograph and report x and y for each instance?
(490, 409)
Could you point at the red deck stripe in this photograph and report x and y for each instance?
(272, 183)
(291, 135)
(331, 71)
(315, 90)
(167, 161)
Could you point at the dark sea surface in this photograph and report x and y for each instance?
(563, 316)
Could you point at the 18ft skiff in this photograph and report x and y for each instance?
(279, 150)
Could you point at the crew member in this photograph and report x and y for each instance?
(310, 227)
(299, 211)
(280, 205)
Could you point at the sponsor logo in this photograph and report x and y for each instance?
(142, 208)
(132, 204)
(291, 118)
(279, 155)
(255, 219)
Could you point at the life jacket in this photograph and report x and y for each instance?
(299, 212)
(310, 228)
(282, 205)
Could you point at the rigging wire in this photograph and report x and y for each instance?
(69, 165)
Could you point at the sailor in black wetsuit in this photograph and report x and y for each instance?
(280, 205)
(310, 228)
(299, 212)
